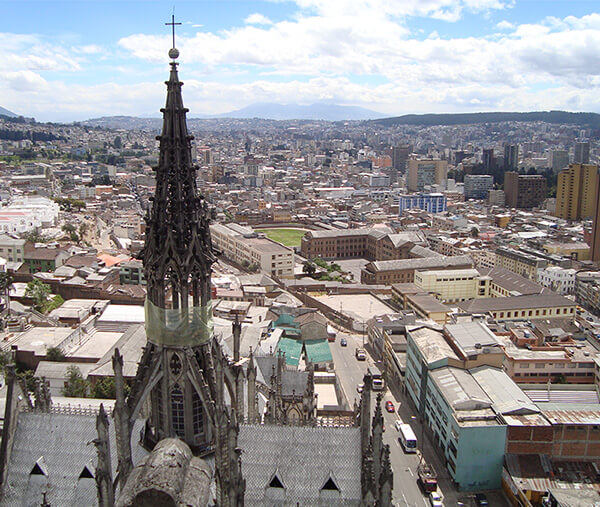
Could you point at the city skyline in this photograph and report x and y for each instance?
(65, 61)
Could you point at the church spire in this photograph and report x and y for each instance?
(178, 251)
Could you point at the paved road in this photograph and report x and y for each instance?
(406, 493)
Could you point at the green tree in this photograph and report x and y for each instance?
(75, 386)
(117, 143)
(55, 354)
(105, 388)
(39, 292)
(308, 268)
(474, 232)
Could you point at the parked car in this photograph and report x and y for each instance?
(481, 500)
(389, 406)
(398, 423)
(435, 499)
(344, 342)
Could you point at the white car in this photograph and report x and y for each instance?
(360, 388)
(435, 499)
(398, 423)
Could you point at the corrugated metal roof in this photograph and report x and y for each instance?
(292, 350)
(318, 351)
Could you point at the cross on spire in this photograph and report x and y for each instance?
(172, 24)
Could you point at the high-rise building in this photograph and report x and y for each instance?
(524, 191)
(477, 186)
(511, 157)
(576, 192)
(424, 172)
(595, 251)
(581, 152)
(558, 159)
(488, 159)
(400, 156)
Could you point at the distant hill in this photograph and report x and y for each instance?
(329, 112)
(6, 112)
(588, 119)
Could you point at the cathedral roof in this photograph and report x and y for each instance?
(303, 460)
(54, 453)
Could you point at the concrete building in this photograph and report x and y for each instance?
(526, 307)
(560, 280)
(432, 203)
(242, 245)
(595, 246)
(12, 249)
(426, 172)
(558, 159)
(524, 190)
(453, 285)
(581, 152)
(587, 290)
(403, 270)
(496, 197)
(477, 186)
(522, 263)
(511, 157)
(576, 192)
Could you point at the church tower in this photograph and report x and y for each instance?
(177, 380)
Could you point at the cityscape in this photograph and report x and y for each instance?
(247, 299)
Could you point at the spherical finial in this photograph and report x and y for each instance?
(173, 53)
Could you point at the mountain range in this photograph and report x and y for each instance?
(329, 112)
(6, 112)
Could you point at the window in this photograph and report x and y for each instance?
(177, 413)
(539, 365)
(197, 413)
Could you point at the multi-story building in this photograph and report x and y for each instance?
(581, 152)
(576, 192)
(43, 259)
(477, 186)
(524, 190)
(560, 280)
(453, 285)
(595, 246)
(403, 270)
(432, 203)
(525, 307)
(522, 263)
(12, 249)
(558, 159)
(587, 290)
(511, 157)
(242, 245)
(132, 272)
(400, 156)
(488, 159)
(426, 172)
(367, 243)
(497, 197)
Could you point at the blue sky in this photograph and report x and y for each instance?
(63, 61)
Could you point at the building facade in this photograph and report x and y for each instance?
(477, 186)
(524, 190)
(432, 203)
(426, 172)
(576, 192)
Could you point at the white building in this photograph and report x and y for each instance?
(560, 280)
(12, 249)
(244, 246)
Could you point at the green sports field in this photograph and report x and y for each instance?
(287, 237)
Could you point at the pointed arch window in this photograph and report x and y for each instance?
(197, 413)
(276, 482)
(177, 411)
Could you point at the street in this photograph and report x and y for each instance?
(407, 493)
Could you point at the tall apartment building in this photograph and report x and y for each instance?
(576, 192)
(558, 159)
(581, 152)
(524, 190)
(595, 246)
(477, 186)
(488, 160)
(400, 156)
(423, 172)
(511, 157)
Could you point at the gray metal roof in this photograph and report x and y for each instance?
(422, 263)
(303, 458)
(65, 443)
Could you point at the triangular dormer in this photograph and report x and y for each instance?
(39, 467)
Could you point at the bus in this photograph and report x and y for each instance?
(376, 378)
(407, 438)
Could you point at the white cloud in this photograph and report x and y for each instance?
(257, 19)
(505, 25)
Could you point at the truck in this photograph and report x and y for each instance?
(426, 477)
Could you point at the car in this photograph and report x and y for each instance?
(398, 423)
(481, 500)
(360, 388)
(389, 406)
(435, 499)
(360, 354)
(344, 342)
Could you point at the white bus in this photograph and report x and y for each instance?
(376, 378)
(407, 438)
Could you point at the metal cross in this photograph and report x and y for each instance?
(172, 24)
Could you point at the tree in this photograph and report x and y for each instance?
(474, 232)
(105, 389)
(39, 292)
(117, 143)
(308, 268)
(55, 354)
(75, 386)
(5, 285)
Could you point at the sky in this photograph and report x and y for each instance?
(73, 60)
